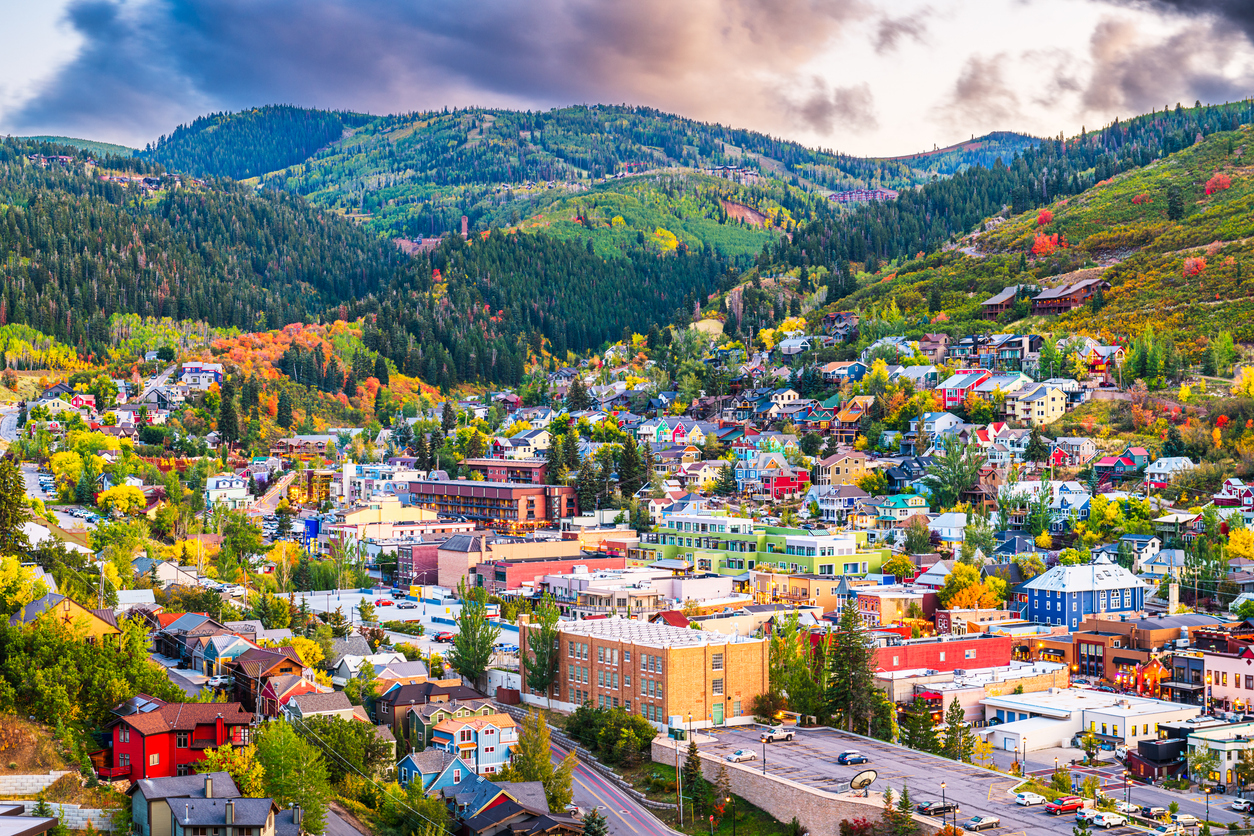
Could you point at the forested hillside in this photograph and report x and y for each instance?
(251, 142)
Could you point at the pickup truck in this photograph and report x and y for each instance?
(1064, 804)
(776, 733)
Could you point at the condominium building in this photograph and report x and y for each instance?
(499, 505)
(661, 672)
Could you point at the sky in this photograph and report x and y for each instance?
(867, 77)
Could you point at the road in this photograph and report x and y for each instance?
(157, 382)
(268, 501)
(811, 759)
(8, 424)
(624, 815)
(190, 681)
(30, 476)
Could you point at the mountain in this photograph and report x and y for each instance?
(982, 151)
(100, 149)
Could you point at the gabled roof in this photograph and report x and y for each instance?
(186, 786)
(1102, 574)
(185, 716)
(321, 703)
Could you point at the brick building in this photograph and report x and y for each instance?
(657, 670)
(513, 471)
(498, 505)
(509, 574)
(945, 653)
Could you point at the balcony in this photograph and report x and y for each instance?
(108, 773)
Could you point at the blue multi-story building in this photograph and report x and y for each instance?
(484, 742)
(1067, 594)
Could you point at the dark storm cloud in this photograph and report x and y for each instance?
(840, 108)
(891, 31)
(1239, 13)
(149, 65)
(1133, 75)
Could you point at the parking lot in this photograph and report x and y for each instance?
(810, 759)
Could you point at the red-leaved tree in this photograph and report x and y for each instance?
(1194, 267)
(1044, 217)
(1141, 199)
(1217, 183)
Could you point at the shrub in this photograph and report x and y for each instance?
(1044, 217)
(1218, 183)
(1194, 266)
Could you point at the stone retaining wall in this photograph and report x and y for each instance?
(820, 812)
(28, 784)
(76, 817)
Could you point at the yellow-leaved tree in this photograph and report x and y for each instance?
(125, 499)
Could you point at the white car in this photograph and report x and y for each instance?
(220, 681)
(741, 755)
(1242, 805)
(1184, 819)
(1028, 799)
(1129, 809)
(1108, 820)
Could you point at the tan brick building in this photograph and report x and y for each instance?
(657, 671)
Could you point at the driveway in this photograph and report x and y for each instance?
(190, 681)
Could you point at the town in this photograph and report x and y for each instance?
(827, 581)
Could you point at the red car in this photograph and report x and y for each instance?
(384, 602)
(1065, 804)
(443, 636)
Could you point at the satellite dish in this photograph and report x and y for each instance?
(863, 779)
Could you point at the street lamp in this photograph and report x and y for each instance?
(945, 814)
(1127, 788)
(732, 799)
(1206, 792)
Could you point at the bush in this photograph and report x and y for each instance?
(611, 733)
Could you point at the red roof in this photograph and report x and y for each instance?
(674, 618)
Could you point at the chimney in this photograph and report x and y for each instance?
(208, 786)
(296, 814)
(230, 812)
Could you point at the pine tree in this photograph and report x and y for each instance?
(1174, 445)
(448, 418)
(555, 466)
(381, 370)
(958, 741)
(577, 397)
(903, 823)
(1037, 450)
(594, 824)
(693, 779)
(586, 486)
(726, 483)
(283, 415)
(570, 450)
(422, 454)
(629, 468)
(919, 729)
(851, 673)
(13, 511)
(228, 418)
(648, 468)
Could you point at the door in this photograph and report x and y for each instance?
(718, 714)
(1008, 743)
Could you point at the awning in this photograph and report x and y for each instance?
(1124, 660)
(1052, 651)
(1182, 686)
(928, 695)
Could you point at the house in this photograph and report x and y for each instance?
(153, 800)
(432, 769)
(842, 372)
(396, 705)
(1003, 301)
(96, 626)
(1067, 594)
(253, 668)
(332, 704)
(227, 489)
(850, 418)
(485, 742)
(1039, 404)
(923, 377)
(1067, 297)
(169, 739)
(842, 326)
(280, 690)
(200, 376)
(424, 718)
(934, 347)
(1072, 451)
(227, 817)
(837, 502)
(1126, 465)
(349, 665)
(793, 346)
(1160, 472)
(950, 527)
(842, 468)
(955, 388)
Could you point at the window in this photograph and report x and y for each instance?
(626, 657)
(615, 681)
(970, 654)
(736, 708)
(404, 775)
(896, 661)
(717, 687)
(464, 735)
(124, 761)
(570, 649)
(154, 759)
(627, 705)
(1225, 678)
(717, 661)
(601, 679)
(124, 734)
(181, 739)
(457, 776)
(626, 681)
(183, 769)
(644, 661)
(942, 655)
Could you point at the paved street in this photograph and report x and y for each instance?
(8, 423)
(624, 815)
(157, 382)
(30, 476)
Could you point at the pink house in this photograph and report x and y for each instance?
(956, 387)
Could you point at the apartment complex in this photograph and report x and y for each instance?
(656, 670)
(499, 505)
(711, 542)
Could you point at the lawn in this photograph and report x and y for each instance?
(657, 782)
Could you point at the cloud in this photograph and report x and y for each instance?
(825, 109)
(981, 99)
(1134, 75)
(145, 65)
(1237, 12)
(892, 30)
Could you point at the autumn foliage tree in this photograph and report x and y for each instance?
(1142, 199)
(1044, 217)
(1047, 244)
(1218, 183)
(1194, 266)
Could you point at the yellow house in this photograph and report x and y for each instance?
(842, 469)
(1039, 404)
(94, 625)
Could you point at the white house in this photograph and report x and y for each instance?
(200, 375)
(1159, 473)
(949, 526)
(227, 489)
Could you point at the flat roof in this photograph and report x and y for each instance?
(1063, 702)
(654, 634)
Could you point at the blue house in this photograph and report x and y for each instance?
(434, 769)
(485, 741)
(1067, 594)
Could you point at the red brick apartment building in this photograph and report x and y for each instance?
(945, 653)
(497, 505)
(512, 471)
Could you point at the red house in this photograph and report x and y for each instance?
(785, 483)
(944, 654)
(169, 739)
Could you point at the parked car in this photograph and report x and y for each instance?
(1064, 804)
(1184, 819)
(1242, 805)
(1029, 799)
(1121, 752)
(1109, 820)
(851, 756)
(776, 733)
(1219, 788)
(938, 808)
(407, 605)
(385, 602)
(741, 755)
(1085, 813)
(1127, 809)
(980, 823)
(1171, 829)
(442, 636)
(220, 681)
(400, 593)
(1151, 812)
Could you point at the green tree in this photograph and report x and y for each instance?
(725, 485)
(14, 514)
(899, 566)
(958, 738)
(543, 647)
(532, 760)
(228, 416)
(693, 780)
(918, 537)
(977, 538)
(283, 415)
(918, 728)
(448, 418)
(586, 486)
(629, 468)
(1203, 761)
(1037, 450)
(851, 692)
(594, 824)
(295, 773)
(1175, 203)
(953, 473)
(476, 636)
